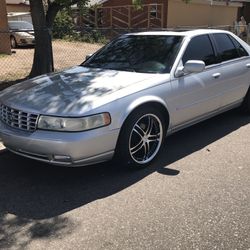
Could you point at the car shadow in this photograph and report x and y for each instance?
(23, 47)
(34, 190)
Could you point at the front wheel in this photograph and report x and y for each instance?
(246, 103)
(141, 138)
(13, 42)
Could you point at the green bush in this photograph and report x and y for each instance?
(64, 28)
(63, 25)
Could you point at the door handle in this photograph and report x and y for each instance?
(216, 75)
(248, 65)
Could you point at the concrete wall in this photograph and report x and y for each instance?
(201, 13)
(4, 35)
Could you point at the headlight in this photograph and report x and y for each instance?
(24, 34)
(74, 124)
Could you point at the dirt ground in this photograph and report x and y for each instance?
(66, 54)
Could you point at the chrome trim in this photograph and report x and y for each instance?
(145, 142)
(18, 119)
(50, 160)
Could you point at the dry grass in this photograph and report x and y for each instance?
(66, 54)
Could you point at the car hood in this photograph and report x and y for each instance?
(75, 91)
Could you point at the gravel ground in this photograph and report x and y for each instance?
(196, 196)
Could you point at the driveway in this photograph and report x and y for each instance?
(196, 196)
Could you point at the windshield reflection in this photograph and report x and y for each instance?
(138, 53)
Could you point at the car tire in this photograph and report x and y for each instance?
(246, 103)
(13, 42)
(141, 138)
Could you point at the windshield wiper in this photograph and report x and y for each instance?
(91, 65)
(125, 69)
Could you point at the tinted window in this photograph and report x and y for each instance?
(241, 51)
(225, 46)
(139, 53)
(200, 48)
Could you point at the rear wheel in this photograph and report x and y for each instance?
(13, 42)
(141, 138)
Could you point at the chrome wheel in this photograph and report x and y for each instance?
(145, 138)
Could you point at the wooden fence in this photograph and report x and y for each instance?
(124, 17)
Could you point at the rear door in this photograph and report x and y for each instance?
(234, 69)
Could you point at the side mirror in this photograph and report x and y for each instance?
(88, 56)
(191, 66)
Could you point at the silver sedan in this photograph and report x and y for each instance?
(21, 33)
(126, 98)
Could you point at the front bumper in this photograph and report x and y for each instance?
(23, 41)
(61, 148)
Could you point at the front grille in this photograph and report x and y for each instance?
(18, 119)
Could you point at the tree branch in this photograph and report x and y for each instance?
(53, 9)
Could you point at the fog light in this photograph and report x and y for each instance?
(23, 41)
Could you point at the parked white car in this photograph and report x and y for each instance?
(125, 99)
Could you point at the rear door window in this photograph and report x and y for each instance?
(241, 51)
(200, 48)
(226, 48)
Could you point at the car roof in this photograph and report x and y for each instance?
(186, 33)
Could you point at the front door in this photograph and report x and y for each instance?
(196, 94)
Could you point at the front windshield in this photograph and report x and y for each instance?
(20, 25)
(138, 53)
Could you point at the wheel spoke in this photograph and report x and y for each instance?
(150, 125)
(154, 137)
(146, 150)
(138, 130)
(136, 148)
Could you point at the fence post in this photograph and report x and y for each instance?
(149, 6)
(248, 33)
(162, 16)
(96, 18)
(51, 51)
(129, 17)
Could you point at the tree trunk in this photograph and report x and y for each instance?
(42, 62)
(43, 23)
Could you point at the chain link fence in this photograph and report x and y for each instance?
(17, 62)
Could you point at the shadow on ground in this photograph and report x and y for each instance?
(37, 193)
